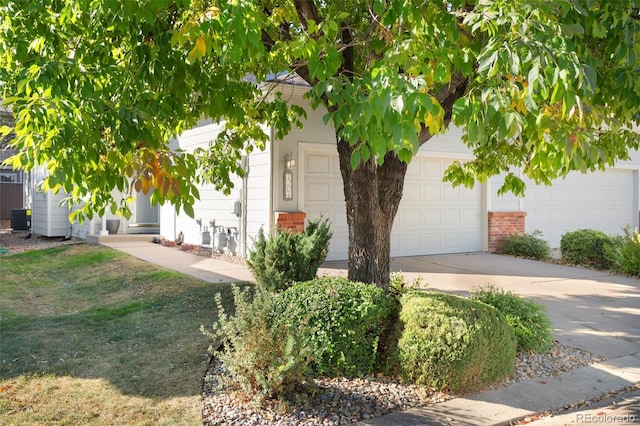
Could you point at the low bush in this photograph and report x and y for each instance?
(264, 358)
(529, 320)
(284, 258)
(344, 322)
(452, 343)
(529, 246)
(624, 254)
(586, 247)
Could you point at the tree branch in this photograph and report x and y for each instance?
(306, 11)
(446, 96)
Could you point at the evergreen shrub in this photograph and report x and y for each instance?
(280, 260)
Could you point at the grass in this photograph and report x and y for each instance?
(89, 335)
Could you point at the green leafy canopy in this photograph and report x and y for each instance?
(100, 88)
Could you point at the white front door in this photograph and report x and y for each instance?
(145, 212)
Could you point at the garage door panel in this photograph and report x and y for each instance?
(560, 194)
(471, 219)
(412, 192)
(451, 217)
(432, 217)
(317, 164)
(430, 168)
(431, 195)
(451, 240)
(451, 194)
(411, 217)
(317, 192)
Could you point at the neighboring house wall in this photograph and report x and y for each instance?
(12, 191)
(12, 182)
(49, 215)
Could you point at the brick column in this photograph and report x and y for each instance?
(291, 221)
(502, 225)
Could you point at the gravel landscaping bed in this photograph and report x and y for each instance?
(346, 401)
(19, 241)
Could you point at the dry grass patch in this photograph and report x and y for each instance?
(90, 335)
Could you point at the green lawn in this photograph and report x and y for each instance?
(89, 335)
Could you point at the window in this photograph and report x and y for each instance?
(10, 177)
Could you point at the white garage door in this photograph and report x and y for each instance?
(433, 216)
(601, 200)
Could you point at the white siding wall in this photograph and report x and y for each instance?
(48, 217)
(258, 194)
(213, 205)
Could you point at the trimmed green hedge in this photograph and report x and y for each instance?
(452, 343)
(343, 322)
(529, 246)
(586, 247)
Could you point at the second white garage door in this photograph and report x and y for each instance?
(433, 217)
(599, 200)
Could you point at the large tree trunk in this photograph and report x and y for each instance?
(372, 195)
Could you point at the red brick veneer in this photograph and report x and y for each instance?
(502, 225)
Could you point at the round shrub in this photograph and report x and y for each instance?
(586, 247)
(452, 343)
(343, 323)
(529, 320)
(529, 246)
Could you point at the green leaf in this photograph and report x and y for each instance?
(571, 30)
(355, 159)
(591, 75)
(461, 110)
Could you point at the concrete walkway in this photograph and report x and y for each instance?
(591, 310)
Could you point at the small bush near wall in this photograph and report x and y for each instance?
(624, 255)
(284, 258)
(586, 247)
(529, 320)
(529, 246)
(452, 343)
(344, 323)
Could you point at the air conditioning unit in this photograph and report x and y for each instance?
(20, 219)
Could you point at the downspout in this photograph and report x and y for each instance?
(273, 165)
(243, 220)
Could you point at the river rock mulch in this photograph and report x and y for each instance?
(344, 401)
